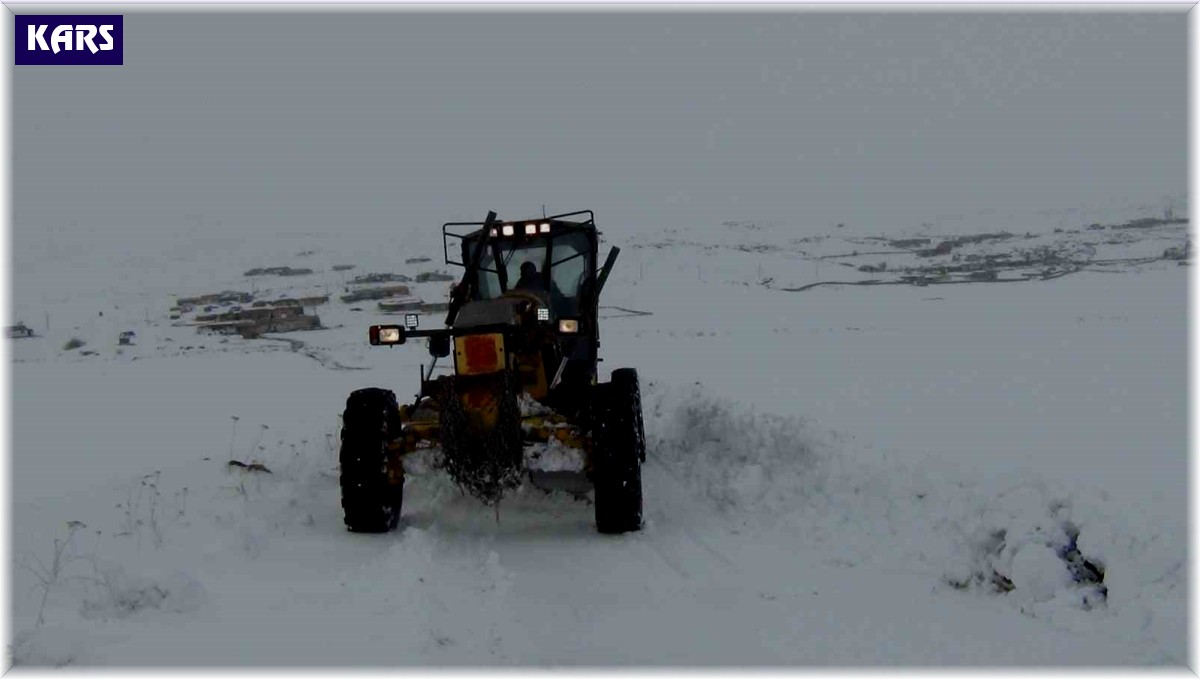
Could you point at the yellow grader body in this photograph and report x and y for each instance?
(480, 356)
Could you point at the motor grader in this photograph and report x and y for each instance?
(523, 403)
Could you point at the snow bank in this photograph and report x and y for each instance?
(1069, 553)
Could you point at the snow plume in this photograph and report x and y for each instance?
(739, 459)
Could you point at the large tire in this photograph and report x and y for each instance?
(370, 501)
(620, 449)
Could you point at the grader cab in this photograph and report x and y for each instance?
(523, 402)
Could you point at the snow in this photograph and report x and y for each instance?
(1038, 573)
(855, 476)
(554, 456)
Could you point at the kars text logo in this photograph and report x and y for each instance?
(60, 39)
(69, 40)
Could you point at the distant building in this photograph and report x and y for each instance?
(433, 276)
(407, 304)
(228, 296)
(250, 323)
(380, 278)
(375, 293)
(278, 271)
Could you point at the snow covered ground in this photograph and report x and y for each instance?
(843, 476)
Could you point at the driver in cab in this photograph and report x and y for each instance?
(530, 280)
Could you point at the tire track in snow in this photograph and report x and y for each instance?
(674, 541)
(299, 347)
(627, 312)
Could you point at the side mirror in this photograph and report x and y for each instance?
(439, 345)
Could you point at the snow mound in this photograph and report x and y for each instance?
(554, 456)
(1038, 572)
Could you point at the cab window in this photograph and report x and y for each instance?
(569, 270)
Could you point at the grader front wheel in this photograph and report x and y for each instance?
(620, 449)
(371, 500)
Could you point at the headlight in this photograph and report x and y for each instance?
(410, 321)
(543, 314)
(545, 228)
(507, 230)
(387, 334)
(568, 325)
(530, 229)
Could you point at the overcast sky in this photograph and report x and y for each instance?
(311, 121)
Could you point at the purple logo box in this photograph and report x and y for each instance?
(69, 40)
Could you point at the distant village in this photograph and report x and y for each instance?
(233, 312)
(238, 313)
